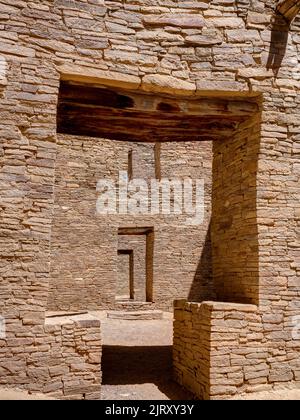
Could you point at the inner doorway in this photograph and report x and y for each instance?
(135, 264)
(125, 277)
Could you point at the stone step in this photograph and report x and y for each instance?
(135, 315)
(132, 305)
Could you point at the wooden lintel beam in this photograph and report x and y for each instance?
(132, 115)
(85, 95)
(288, 9)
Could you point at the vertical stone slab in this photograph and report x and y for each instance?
(234, 215)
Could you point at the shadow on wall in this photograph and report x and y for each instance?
(202, 286)
(124, 365)
(279, 39)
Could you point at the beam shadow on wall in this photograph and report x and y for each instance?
(278, 45)
(202, 286)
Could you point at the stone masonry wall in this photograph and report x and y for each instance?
(234, 215)
(221, 349)
(73, 369)
(61, 359)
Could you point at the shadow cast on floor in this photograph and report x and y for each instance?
(123, 365)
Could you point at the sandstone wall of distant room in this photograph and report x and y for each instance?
(84, 245)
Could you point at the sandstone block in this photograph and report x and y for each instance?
(255, 73)
(167, 84)
(180, 20)
(203, 40)
(98, 76)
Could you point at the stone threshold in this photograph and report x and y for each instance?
(135, 315)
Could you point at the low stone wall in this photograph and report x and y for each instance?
(61, 359)
(84, 245)
(221, 349)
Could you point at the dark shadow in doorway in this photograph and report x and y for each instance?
(123, 365)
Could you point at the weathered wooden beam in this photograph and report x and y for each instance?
(136, 116)
(138, 126)
(140, 101)
(288, 9)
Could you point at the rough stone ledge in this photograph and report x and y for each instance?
(153, 83)
(233, 87)
(167, 84)
(215, 306)
(82, 74)
(81, 320)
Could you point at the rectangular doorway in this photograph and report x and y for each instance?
(125, 284)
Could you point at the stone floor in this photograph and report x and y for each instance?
(14, 394)
(137, 360)
(280, 394)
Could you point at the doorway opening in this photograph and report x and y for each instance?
(135, 264)
(96, 114)
(125, 285)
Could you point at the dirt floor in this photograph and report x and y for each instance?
(282, 394)
(14, 395)
(136, 364)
